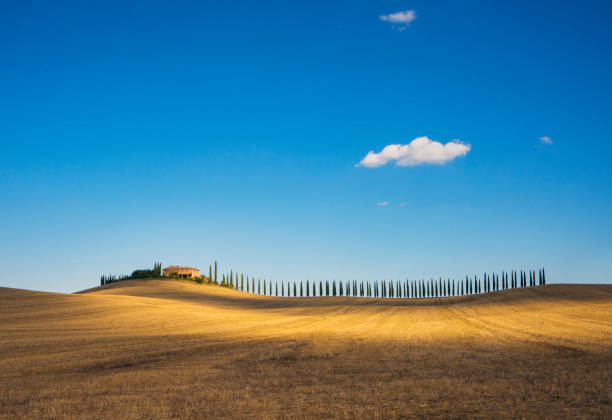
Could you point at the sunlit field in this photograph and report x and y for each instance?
(176, 349)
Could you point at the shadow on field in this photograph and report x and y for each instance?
(224, 297)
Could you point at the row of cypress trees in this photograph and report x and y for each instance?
(144, 273)
(111, 278)
(406, 289)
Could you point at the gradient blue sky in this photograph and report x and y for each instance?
(184, 132)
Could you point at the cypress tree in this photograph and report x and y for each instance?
(210, 279)
(307, 288)
(320, 287)
(216, 282)
(543, 277)
(516, 279)
(529, 278)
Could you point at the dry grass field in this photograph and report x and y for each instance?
(176, 349)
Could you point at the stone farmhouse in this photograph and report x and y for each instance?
(181, 272)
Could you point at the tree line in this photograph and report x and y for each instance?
(143, 273)
(399, 289)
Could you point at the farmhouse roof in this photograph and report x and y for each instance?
(179, 266)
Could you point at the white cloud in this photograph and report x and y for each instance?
(404, 17)
(402, 204)
(545, 139)
(382, 203)
(419, 151)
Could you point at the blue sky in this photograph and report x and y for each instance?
(134, 132)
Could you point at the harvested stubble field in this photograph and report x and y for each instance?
(175, 349)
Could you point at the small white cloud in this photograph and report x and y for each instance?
(404, 17)
(402, 204)
(382, 203)
(419, 151)
(545, 140)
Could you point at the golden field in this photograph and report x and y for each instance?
(176, 349)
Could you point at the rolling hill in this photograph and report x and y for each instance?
(176, 349)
